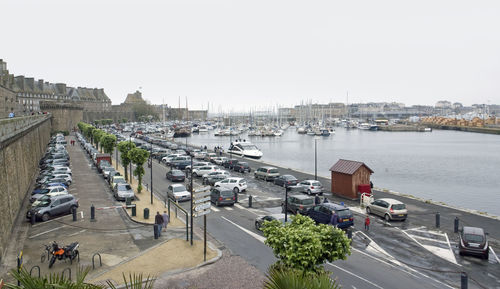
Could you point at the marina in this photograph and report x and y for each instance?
(456, 168)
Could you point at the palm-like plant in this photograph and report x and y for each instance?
(135, 282)
(288, 278)
(52, 281)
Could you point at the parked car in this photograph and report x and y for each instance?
(298, 204)
(322, 213)
(175, 176)
(123, 191)
(178, 192)
(311, 187)
(229, 164)
(200, 155)
(198, 164)
(389, 209)
(242, 167)
(106, 171)
(286, 181)
(266, 173)
(49, 190)
(198, 172)
(220, 160)
(222, 197)
(56, 205)
(473, 241)
(210, 156)
(182, 165)
(214, 177)
(260, 220)
(235, 184)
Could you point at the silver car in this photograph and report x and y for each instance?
(311, 187)
(123, 191)
(389, 209)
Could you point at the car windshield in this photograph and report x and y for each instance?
(473, 238)
(124, 187)
(177, 173)
(346, 213)
(44, 199)
(226, 193)
(44, 203)
(398, 206)
(316, 184)
(289, 177)
(307, 201)
(179, 189)
(119, 181)
(273, 171)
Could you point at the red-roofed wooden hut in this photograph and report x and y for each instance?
(347, 176)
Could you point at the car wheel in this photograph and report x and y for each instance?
(486, 255)
(217, 203)
(236, 190)
(45, 217)
(387, 217)
(266, 179)
(309, 192)
(195, 175)
(257, 226)
(368, 210)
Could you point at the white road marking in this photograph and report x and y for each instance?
(494, 254)
(229, 208)
(446, 254)
(48, 231)
(427, 232)
(432, 240)
(416, 229)
(77, 233)
(239, 207)
(380, 249)
(256, 236)
(214, 209)
(357, 276)
(81, 213)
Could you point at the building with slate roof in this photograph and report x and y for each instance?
(347, 175)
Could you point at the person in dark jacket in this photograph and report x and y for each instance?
(334, 220)
(158, 222)
(317, 200)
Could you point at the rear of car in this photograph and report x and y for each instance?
(473, 241)
(123, 192)
(242, 167)
(267, 173)
(223, 197)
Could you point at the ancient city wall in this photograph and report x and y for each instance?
(22, 143)
(65, 116)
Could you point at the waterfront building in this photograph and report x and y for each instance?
(347, 175)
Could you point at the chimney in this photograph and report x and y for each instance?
(61, 88)
(40, 84)
(30, 82)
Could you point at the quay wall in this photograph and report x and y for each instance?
(490, 130)
(22, 143)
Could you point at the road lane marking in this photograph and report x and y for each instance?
(81, 213)
(214, 209)
(77, 233)
(239, 206)
(48, 231)
(256, 236)
(357, 276)
(494, 254)
(229, 208)
(380, 249)
(432, 240)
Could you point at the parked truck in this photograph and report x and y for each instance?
(102, 157)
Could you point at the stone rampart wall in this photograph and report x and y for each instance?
(65, 116)
(20, 150)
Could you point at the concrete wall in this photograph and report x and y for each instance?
(65, 116)
(22, 143)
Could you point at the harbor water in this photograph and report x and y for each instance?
(460, 169)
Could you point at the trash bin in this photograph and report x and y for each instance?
(133, 211)
(146, 213)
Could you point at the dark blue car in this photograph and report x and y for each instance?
(322, 214)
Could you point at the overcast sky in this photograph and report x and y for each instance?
(256, 54)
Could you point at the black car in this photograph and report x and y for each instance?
(230, 163)
(242, 167)
(222, 197)
(175, 176)
(322, 214)
(473, 242)
(286, 181)
(298, 204)
(182, 165)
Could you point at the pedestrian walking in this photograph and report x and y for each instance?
(166, 220)
(317, 200)
(158, 223)
(367, 223)
(334, 220)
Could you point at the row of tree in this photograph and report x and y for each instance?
(128, 152)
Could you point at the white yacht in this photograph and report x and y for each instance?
(245, 148)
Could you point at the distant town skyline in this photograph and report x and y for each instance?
(239, 55)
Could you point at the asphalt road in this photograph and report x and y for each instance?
(389, 255)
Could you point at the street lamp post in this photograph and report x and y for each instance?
(315, 158)
(191, 190)
(130, 164)
(286, 202)
(151, 171)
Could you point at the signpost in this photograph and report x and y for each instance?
(201, 203)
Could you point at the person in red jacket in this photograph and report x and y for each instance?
(367, 223)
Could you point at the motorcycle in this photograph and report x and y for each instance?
(69, 252)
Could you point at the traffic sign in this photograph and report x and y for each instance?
(199, 214)
(202, 207)
(201, 194)
(205, 199)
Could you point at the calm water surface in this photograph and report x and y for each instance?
(459, 168)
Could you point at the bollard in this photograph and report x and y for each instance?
(74, 214)
(92, 213)
(250, 201)
(456, 225)
(438, 219)
(155, 231)
(463, 281)
(146, 213)
(33, 218)
(235, 197)
(133, 211)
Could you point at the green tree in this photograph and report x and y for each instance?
(138, 157)
(124, 147)
(304, 246)
(97, 134)
(108, 142)
(52, 281)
